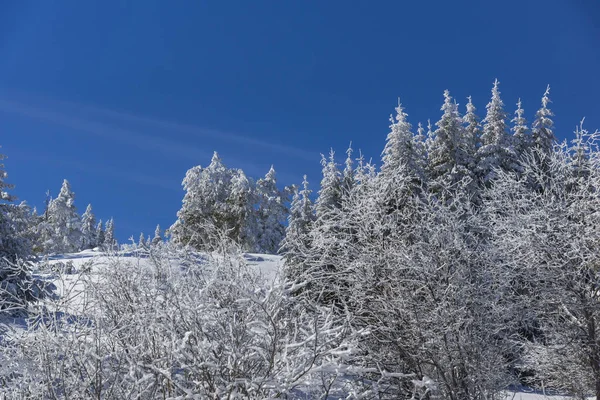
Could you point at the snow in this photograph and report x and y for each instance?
(527, 394)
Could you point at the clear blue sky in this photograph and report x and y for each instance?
(122, 97)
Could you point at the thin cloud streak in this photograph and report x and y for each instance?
(170, 126)
(106, 171)
(141, 141)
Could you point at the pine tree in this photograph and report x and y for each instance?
(449, 159)
(205, 207)
(142, 241)
(420, 146)
(399, 155)
(496, 149)
(8, 248)
(100, 236)
(348, 173)
(330, 194)
(472, 132)
(297, 240)
(521, 138)
(64, 222)
(88, 229)
(542, 134)
(272, 213)
(242, 224)
(109, 235)
(16, 237)
(157, 236)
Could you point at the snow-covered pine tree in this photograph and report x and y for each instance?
(16, 229)
(296, 244)
(496, 149)
(579, 156)
(142, 241)
(472, 132)
(449, 159)
(242, 224)
(420, 146)
(330, 194)
(88, 229)
(400, 163)
(348, 173)
(64, 222)
(542, 135)
(100, 236)
(204, 207)
(521, 138)
(15, 222)
(399, 156)
(157, 236)
(272, 213)
(110, 242)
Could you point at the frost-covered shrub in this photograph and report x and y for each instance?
(181, 326)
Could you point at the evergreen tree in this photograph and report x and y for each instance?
(496, 149)
(272, 213)
(400, 155)
(348, 173)
(521, 138)
(109, 235)
(330, 194)
(64, 222)
(297, 240)
(88, 229)
(420, 146)
(100, 236)
(449, 159)
(157, 236)
(204, 207)
(472, 132)
(16, 237)
(242, 224)
(142, 241)
(542, 134)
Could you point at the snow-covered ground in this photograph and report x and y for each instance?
(526, 394)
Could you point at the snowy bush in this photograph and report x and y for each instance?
(183, 327)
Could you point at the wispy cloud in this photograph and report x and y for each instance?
(105, 131)
(105, 171)
(70, 114)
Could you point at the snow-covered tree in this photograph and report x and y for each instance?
(272, 212)
(449, 159)
(400, 155)
(547, 243)
(296, 244)
(521, 137)
(204, 207)
(330, 194)
(88, 229)
(16, 237)
(219, 199)
(496, 149)
(542, 135)
(472, 133)
(157, 236)
(64, 222)
(142, 241)
(100, 235)
(242, 222)
(110, 242)
(420, 146)
(348, 173)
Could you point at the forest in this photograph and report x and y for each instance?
(465, 264)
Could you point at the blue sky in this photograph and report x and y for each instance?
(122, 97)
